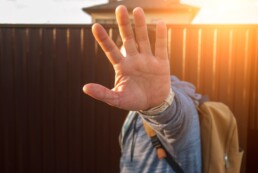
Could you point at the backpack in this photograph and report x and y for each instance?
(219, 140)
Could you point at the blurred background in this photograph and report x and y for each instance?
(47, 54)
(69, 11)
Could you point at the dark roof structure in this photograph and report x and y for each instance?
(160, 6)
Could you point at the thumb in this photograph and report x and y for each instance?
(102, 93)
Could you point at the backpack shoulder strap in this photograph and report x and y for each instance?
(161, 151)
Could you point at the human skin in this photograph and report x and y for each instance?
(142, 78)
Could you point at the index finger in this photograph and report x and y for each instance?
(106, 43)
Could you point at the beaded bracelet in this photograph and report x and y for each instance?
(162, 107)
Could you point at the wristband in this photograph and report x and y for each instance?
(162, 107)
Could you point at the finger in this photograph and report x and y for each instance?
(107, 44)
(102, 93)
(141, 31)
(161, 41)
(126, 30)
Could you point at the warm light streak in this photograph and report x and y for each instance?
(82, 40)
(246, 65)
(230, 57)
(123, 51)
(184, 53)
(214, 60)
(199, 57)
(227, 12)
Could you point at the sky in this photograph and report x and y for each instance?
(46, 11)
(227, 12)
(70, 11)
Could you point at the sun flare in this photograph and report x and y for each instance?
(227, 12)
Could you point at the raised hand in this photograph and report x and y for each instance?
(142, 80)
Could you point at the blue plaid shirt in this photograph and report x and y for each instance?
(177, 128)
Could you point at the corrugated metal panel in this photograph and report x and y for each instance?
(254, 85)
(47, 123)
(221, 61)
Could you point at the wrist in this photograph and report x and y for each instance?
(160, 108)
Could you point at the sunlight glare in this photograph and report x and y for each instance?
(227, 12)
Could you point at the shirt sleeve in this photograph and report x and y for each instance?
(178, 125)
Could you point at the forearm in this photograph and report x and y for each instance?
(175, 124)
(173, 119)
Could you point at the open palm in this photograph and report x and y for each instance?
(142, 80)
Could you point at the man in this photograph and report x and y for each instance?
(143, 86)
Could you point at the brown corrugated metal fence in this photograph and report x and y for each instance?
(48, 125)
